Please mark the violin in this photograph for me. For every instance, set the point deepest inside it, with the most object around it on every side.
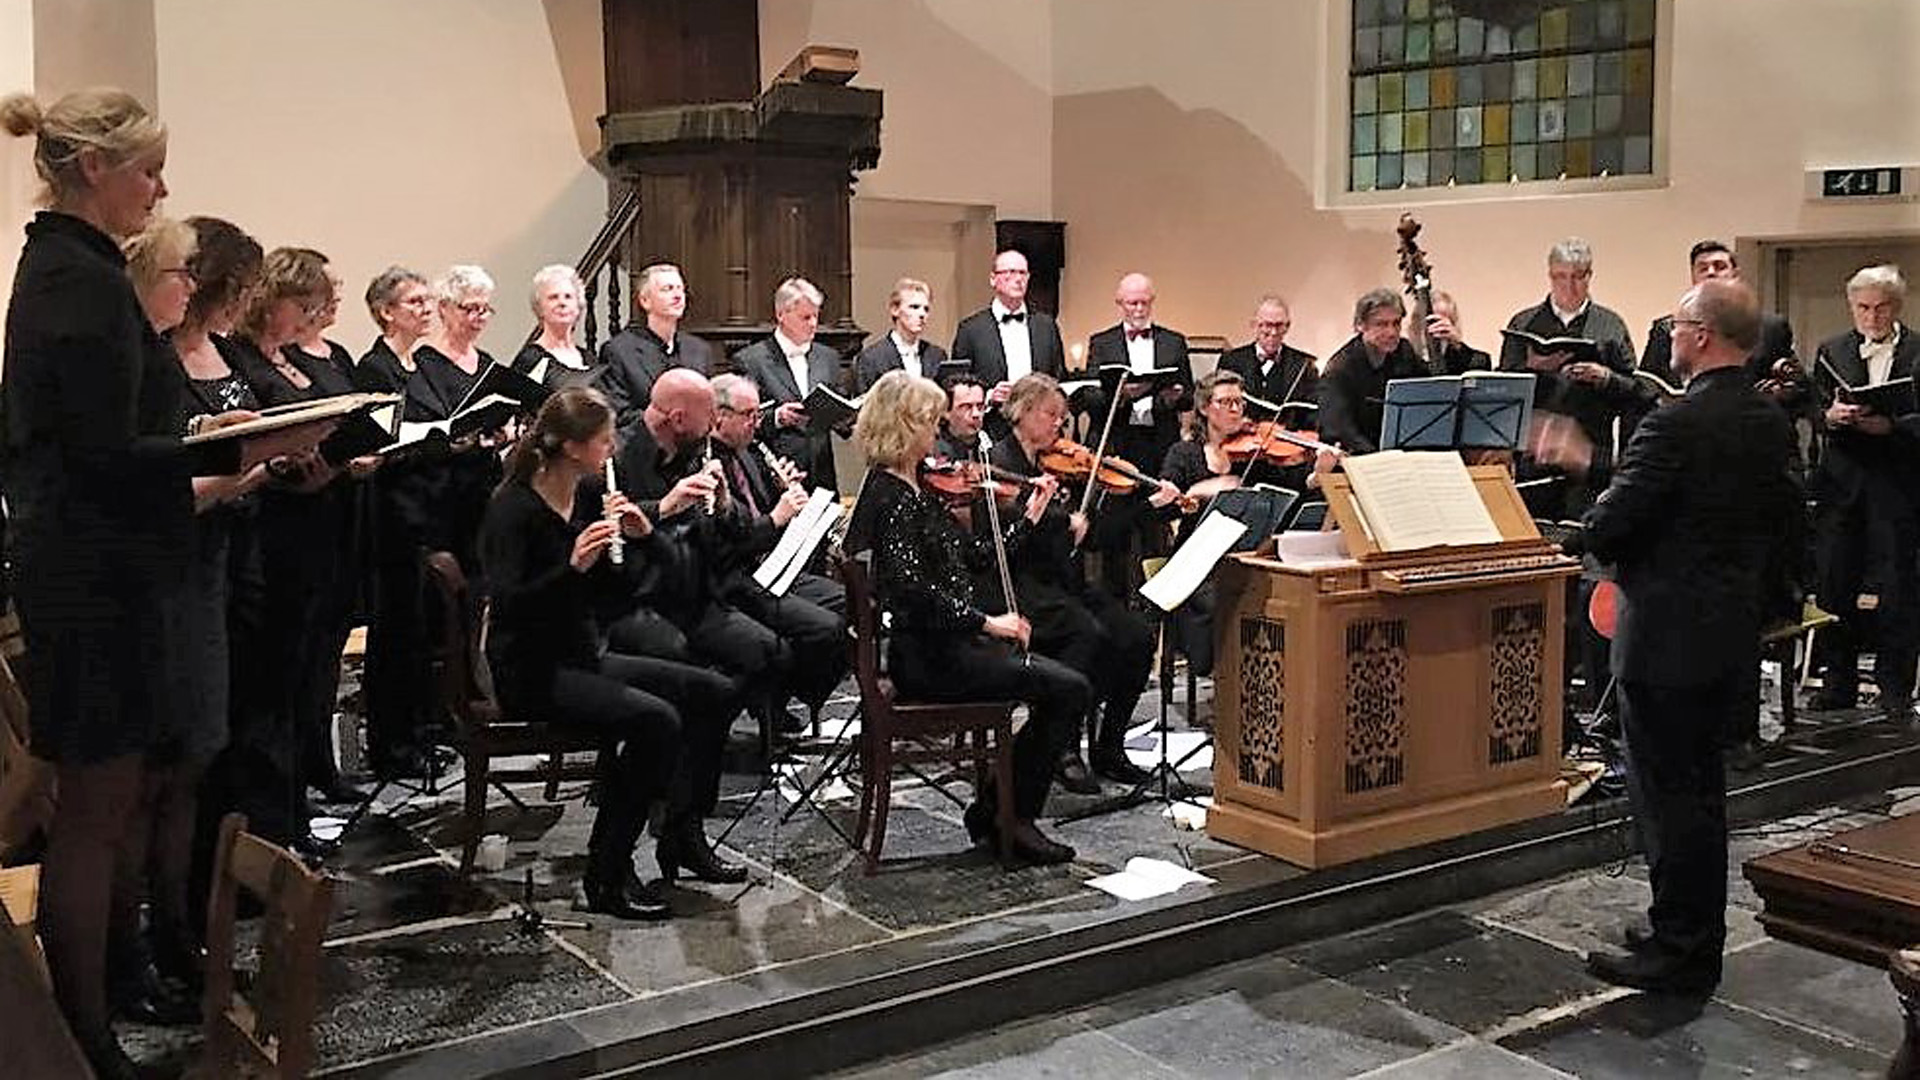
(1069, 460)
(1278, 445)
(960, 482)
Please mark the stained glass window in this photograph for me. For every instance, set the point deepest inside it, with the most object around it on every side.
(1488, 91)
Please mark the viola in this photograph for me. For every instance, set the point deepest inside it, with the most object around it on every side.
(1278, 445)
(963, 481)
(1071, 461)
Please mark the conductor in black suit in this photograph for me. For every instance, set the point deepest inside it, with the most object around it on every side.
(1867, 501)
(903, 347)
(1692, 524)
(633, 358)
(1269, 368)
(786, 367)
(1009, 339)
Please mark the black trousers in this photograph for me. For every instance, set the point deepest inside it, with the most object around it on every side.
(1098, 637)
(1676, 785)
(982, 669)
(631, 701)
(1867, 547)
(811, 620)
(729, 659)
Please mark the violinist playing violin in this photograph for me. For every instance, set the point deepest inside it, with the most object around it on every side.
(944, 646)
(966, 414)
(1223, 453)
(1080, 625)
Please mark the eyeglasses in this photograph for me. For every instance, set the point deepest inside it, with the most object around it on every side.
(1234, 403)
(1011, 273)
(476, 309)
(182, 272)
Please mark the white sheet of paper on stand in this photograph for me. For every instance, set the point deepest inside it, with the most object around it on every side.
(809, 543)
(1195, 559)
(1144, 879)
(788, 549)
(1311, 547)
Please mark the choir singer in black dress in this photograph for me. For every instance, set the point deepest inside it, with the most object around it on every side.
(548, 544)
(944, 646)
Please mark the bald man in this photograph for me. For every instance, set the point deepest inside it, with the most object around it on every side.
(1008, 339)
(1149, 421)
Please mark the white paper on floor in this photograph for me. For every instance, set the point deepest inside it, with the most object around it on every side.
(1144, 750)
(1189, 814)
(327, 829)
(1144, 879)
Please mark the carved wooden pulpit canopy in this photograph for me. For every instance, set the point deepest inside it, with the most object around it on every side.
(740, 186)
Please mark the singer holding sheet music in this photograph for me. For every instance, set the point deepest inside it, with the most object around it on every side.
(1867, 516)
(546, 544)
(786, 366)
(944, 645)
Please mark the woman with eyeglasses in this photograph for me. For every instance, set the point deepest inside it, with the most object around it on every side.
(451, 362)
(401, 303)
(559, 299)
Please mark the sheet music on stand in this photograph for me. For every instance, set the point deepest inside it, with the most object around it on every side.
(1193, 560)
(798, 542)
(1480, 410)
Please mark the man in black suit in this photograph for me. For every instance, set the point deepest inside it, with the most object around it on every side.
(787, 366)
(1711, 260)
(1149, 420)
(901, 348)
(1008, 339)
(1268, 367)
(966, 412)
(1692, 524)
(633, 358)
(1867, 500)
(1353, 389)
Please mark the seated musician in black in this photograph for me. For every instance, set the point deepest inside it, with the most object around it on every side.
(1353, 389)
(545, 543)
(1080, 625)
(1201, 467)
(944, 647)
(663, 466)
(811, 615)
(966, 413)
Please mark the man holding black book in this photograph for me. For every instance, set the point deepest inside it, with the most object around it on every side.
(787, 366)
(1867, 498)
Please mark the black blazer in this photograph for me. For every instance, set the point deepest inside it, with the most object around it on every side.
(1353, 393)
(1698, 521)
(1854, 465)
(766, 365)
(1109, 346)
(977, 338)
(1244, 361)
(881, 356)
(631, 359)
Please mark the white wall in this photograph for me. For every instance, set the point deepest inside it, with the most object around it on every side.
(18, 187)
(1225, 205)
(426, 133)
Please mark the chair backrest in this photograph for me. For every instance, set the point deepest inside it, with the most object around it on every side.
(863, 622)
(271, 1026)
(456, 620)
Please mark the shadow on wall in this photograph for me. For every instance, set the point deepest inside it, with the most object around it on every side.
(579, 52)
(1211, 212)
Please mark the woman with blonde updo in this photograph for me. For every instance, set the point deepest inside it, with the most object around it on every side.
(98, 490)
(944, 646)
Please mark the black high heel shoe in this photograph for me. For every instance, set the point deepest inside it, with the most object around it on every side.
(688, 848)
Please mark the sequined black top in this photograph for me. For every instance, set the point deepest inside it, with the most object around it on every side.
(923, 562)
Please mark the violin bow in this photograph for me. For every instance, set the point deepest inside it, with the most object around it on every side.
(999, 542)
(1100, 452)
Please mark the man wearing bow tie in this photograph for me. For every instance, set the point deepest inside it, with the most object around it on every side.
(1270, 368)
(1149, 420)
(786, 367)
(902, 348)
(1008, 339)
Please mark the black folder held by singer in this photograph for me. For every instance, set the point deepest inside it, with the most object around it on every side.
(1892, 399)
(218, 451)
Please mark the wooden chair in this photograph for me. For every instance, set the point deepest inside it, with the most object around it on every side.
(481, 731)
(1779, 645)
(270, 1026)
(956, 733)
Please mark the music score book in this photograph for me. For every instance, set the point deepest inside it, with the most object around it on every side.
(1578, 349)
(1893, 398)
(1193, 561)
(798, 542)
(1418, 499)
(828, 409)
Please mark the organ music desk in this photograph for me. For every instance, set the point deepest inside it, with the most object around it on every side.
(1394, 699)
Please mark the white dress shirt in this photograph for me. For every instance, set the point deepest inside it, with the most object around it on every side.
(796, 360)
(1139, 359)
(909, 354)
(1879, 356)
(1015, 340)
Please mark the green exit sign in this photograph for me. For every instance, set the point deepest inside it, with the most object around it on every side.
(1875, 183)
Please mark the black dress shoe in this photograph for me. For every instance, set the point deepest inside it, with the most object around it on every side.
(1114, 764)
(688, 849)
(982, 829)
(1072, 775)
(1831, 700)
(142, 996)
(610, 898)
(1646, 969)
(646, 898)
(1030, 846)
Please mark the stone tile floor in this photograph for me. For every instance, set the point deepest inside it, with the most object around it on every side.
(1489, 990)
(419, 957)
